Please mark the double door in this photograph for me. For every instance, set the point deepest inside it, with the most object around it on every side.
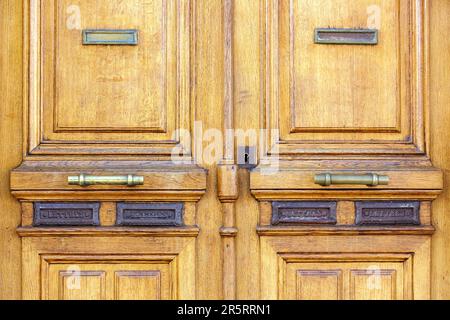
(181, 149)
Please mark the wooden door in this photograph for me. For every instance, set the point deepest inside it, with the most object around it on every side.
(346, 109)
(224, 149)
(108, 151)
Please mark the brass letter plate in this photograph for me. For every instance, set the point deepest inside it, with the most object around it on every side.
(346, 36)
(110, 37)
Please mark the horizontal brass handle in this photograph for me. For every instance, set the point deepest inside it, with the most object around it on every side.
(86, 180)
(369, 179)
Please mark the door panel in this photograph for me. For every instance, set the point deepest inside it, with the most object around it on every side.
(366, 73)
(126, 264)
(335, 98)
(314, 266)
(91, 286)
(315, 284)
(120, 113)
(378, 284)
(138, 285)
(109, 281)
(101, 95)
(339, 281)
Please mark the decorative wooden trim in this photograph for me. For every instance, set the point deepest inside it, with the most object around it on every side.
(150, 214)
(177, 251)
(227, 184)
(302, 212)
(387, 213)
(163, 182)
(66, 214)
(350, 195)
(173, 195)
(228, 193)
(53, 175)
(277, 251)
(344, 230)
(228, 232)
(426, 179)
(228, 120)
(109, 232)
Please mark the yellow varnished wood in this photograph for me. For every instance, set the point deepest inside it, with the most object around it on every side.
(229, 64)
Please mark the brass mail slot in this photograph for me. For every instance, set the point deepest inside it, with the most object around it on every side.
(346, 36)
(110, 37)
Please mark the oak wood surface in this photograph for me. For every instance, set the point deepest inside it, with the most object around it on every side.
(10, 136)
(440, 149)
(395, 123)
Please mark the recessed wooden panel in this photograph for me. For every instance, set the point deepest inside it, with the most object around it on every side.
(109, 279)
(82, 285)
(102, 96)
(137, 264)
(374, 284)
(143, 281)
(343, 280)
(304, 263)
(356, 98)
(138, 285)
(319, 285)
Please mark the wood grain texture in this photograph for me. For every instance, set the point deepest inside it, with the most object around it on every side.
(169, 257)
(130, 101)
(10, 143)
(329, 101)
(284, 256)
(210, 86)
(370, 120)
(247, 100)
(440, 135)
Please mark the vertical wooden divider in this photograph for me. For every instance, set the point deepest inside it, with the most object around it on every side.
(228, 191)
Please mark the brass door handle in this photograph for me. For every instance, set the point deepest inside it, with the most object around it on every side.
(87, 180)
(369, 179)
